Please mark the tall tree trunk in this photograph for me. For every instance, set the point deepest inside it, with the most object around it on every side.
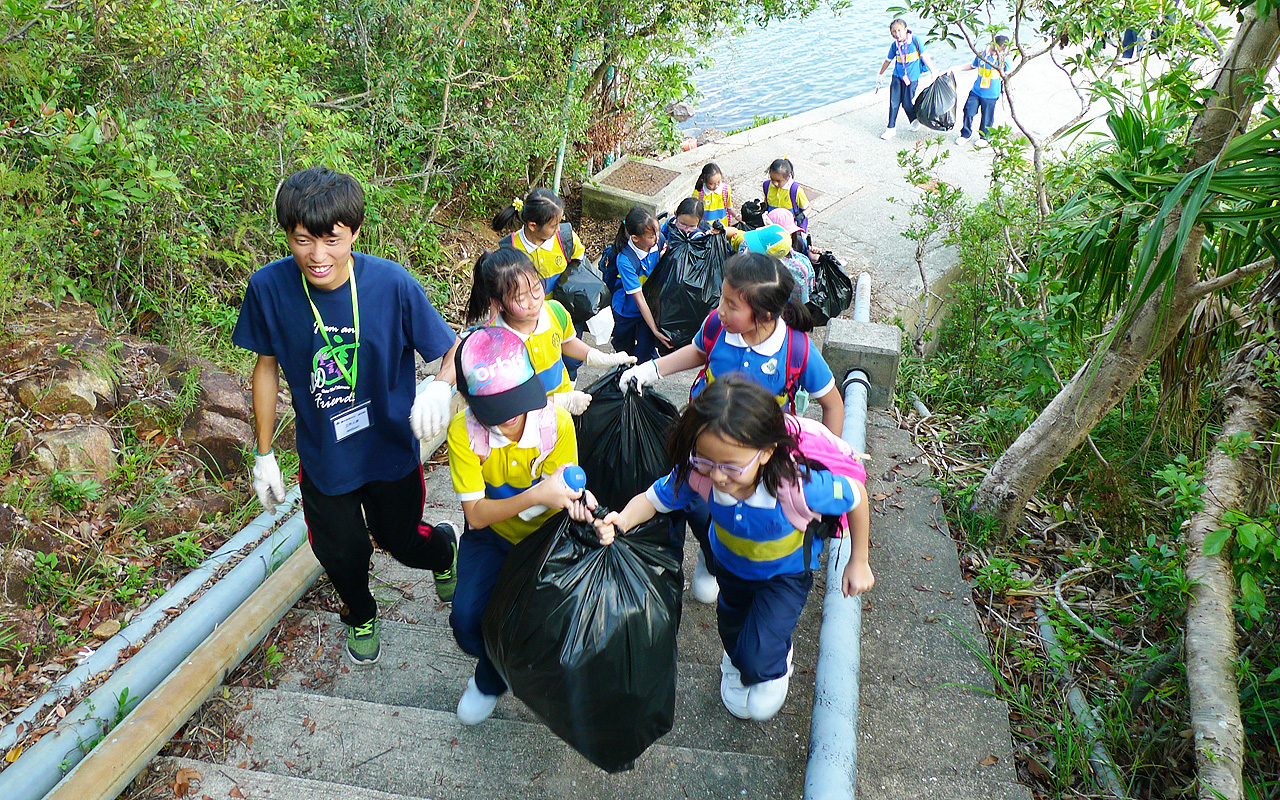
(1253, 406)
(1104, 379)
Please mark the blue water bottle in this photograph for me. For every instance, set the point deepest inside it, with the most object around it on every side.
(573, 477)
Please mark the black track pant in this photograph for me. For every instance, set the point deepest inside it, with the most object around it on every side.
(339, 527)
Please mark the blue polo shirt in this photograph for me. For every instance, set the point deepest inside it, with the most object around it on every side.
(634, 268)
(988, 83)
(907, 58)
(753, 538)
(764, 363)
(396, 318)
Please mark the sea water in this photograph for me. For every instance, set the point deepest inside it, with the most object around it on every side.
(794, 65)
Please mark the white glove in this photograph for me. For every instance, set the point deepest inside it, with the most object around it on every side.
(599, 358)
(879, 81)
(267, 481)
(640, 376)
(431, 410)
(573, 402)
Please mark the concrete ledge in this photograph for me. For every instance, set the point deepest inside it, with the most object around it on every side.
(871, 347)
(602, 201)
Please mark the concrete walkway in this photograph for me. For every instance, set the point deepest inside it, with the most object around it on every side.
(861, 199)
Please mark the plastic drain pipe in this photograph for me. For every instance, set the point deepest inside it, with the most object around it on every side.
(106, 656)
(832, 771)
(564, 114)
(43, 764)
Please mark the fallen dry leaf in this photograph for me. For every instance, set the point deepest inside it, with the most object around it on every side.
(989, 761)
(13, 754)
(235, 792)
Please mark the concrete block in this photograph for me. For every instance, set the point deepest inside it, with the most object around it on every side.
(601, 200)
(870, 347)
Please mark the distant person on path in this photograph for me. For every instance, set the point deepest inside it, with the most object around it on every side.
(546, 238)
(344, 327)
(991, 65)
(906, 54)
(782, 191)
(507, 292)
(717, 199)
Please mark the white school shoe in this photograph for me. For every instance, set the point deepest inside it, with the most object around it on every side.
(889, 133)
(732, 693)
(914, 126)
(705, 587)
(765, 699)
(963, 140)
(475, 706)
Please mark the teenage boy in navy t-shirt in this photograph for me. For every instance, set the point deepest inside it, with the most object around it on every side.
(343, 326)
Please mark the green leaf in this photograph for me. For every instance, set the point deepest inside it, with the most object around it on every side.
(1214, 542)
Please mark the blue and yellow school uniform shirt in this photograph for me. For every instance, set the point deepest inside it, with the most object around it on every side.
(634, 268)
(511, 467)
(555, 327)
(780, 197)
(764, 363)
(753, 538)
(988, 83)
(548, 257)
(716, 205)
(907, 59)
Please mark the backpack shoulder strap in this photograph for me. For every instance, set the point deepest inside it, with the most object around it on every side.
(797, 360)
(479, 437)
(765, 189)
(795, 194)
(564, 237)
(558, 311)
(724, 194)
(711, 331)
(546, 433)
(700, 483)
(508, 242)
(794, 505)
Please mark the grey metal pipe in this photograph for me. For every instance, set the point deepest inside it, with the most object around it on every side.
(1100, 761)
(832, 770)
(106, 656)
(43, 764)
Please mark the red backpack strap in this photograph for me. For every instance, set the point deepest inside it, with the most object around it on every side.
(711, 330)
(724, 195)
(796, 362)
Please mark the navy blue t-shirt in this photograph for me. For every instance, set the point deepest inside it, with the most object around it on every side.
(396, 318)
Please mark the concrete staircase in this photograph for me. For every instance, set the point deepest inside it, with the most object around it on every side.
(388, 732)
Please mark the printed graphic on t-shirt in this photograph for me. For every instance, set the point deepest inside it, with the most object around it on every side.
(329, 387)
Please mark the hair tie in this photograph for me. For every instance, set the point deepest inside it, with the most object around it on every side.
(517, 204)
(786, 156)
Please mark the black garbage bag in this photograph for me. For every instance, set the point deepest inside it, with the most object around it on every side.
(622, 440)
(832, 290)
(685, 285)
(586, 635)
(581, 290)
(753, 212)
(936, 104)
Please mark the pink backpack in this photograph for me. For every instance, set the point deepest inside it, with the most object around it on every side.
(824, 447)
(479, 435)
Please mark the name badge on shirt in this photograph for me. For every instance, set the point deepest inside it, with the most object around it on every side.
(351, 421)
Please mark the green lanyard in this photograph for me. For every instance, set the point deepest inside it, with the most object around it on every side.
(355, 320)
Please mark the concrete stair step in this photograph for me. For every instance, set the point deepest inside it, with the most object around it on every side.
(876, 785)
(421, 752)
(217, 781)
(422, 667)
(921, 656)
(946, 732)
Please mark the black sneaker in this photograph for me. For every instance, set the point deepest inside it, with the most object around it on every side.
(447, 579)
(364, 644)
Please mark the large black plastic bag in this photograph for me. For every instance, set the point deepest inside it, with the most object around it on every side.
(586, 635)
(622, 440)
(685, 285)
(936, 104)
(832, 290)
(581, 290)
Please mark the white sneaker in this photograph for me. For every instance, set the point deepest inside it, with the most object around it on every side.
(705, 587)
(889, 133)
(914, 126)
(732, 693)
(765, 699)
(475, 706)
(962, 140)
(979, 143)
